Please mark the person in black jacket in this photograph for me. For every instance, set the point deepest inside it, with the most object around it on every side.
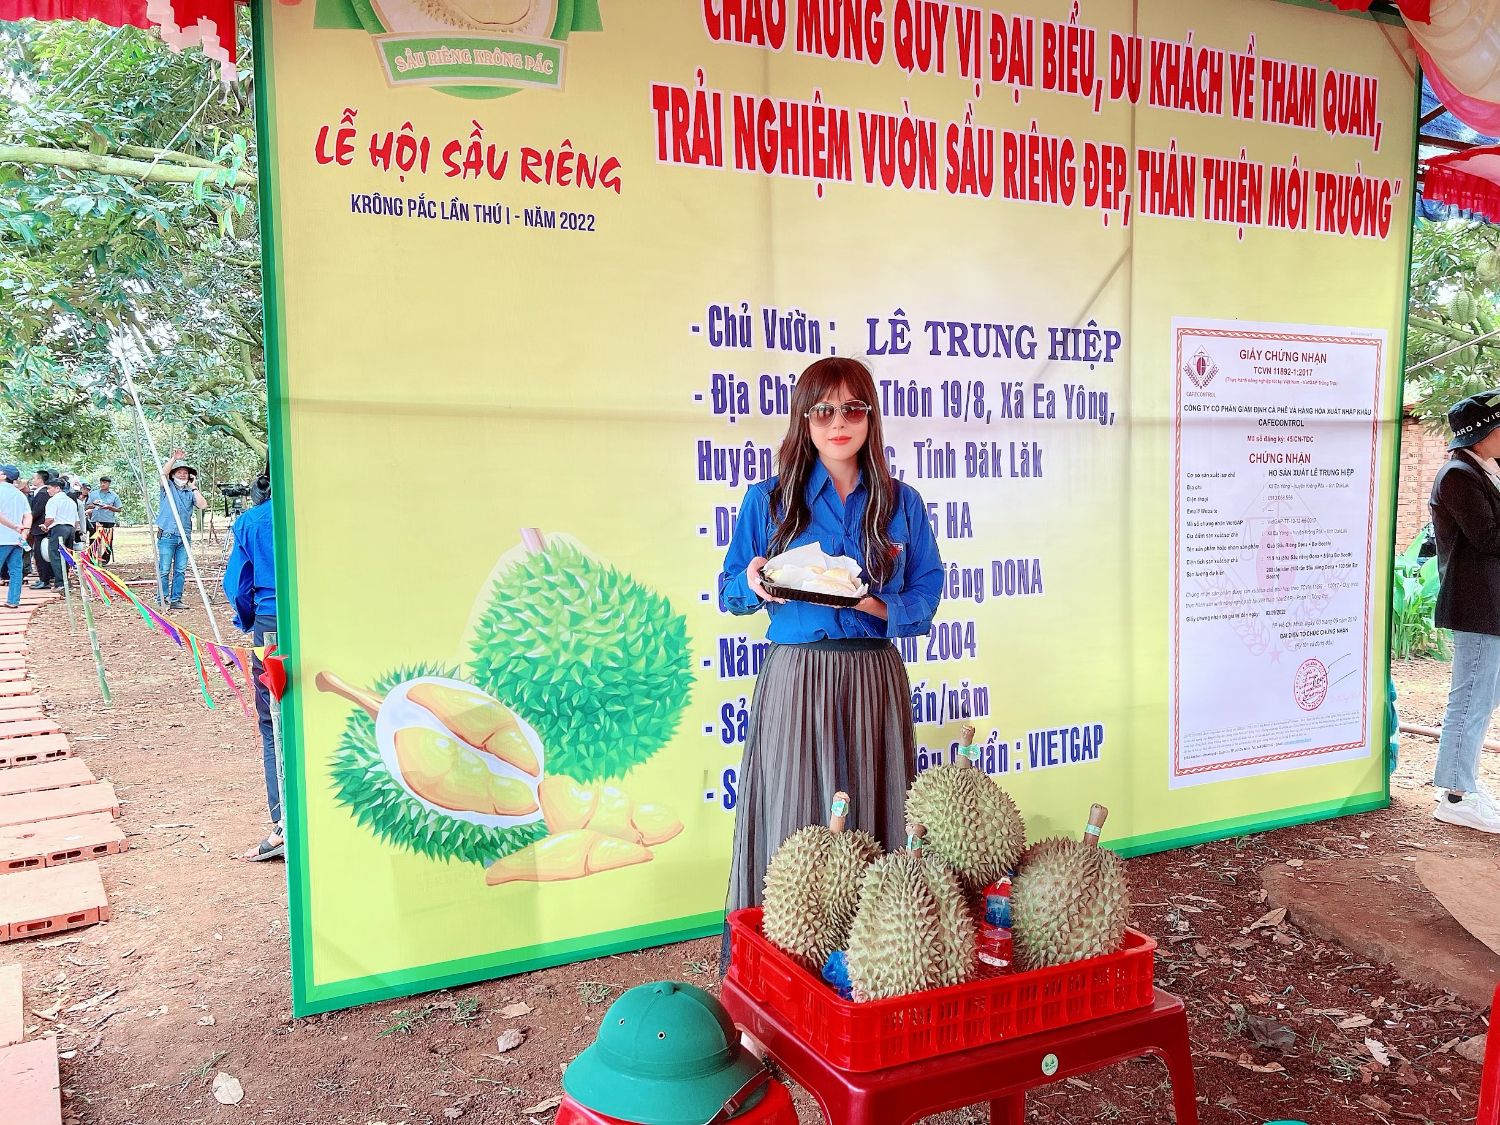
(1465, 505)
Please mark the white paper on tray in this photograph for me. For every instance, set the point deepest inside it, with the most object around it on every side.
(795, 569)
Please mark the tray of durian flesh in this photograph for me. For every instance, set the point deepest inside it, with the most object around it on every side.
(806, 574)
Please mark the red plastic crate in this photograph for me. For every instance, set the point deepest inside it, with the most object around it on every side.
(882, 1033)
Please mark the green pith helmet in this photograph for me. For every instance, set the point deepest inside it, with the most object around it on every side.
(666, 1054)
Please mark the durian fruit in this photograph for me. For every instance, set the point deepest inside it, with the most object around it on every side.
(913, 930)
(1069, 900)
(506, 17)
(1487, 268)
(364, 782)
(812, 886)
(568, 855)
(972, 824)
(598, 663)
(1462, 307)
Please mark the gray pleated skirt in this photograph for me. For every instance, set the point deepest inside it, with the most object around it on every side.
(822, 719)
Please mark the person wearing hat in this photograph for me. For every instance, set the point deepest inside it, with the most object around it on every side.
(103, 512)
(15, 527)
(174, 525)
(1465, 506)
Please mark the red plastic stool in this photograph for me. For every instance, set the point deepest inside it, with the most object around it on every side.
(1489, 1080)
(999, 1074)
(774, 1108)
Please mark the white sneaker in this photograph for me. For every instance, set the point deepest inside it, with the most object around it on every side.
(1476, 810)
(1439, 793)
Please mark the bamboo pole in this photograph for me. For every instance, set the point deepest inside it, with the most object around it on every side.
(88, 617)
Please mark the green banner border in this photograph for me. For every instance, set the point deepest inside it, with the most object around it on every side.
(310, 999)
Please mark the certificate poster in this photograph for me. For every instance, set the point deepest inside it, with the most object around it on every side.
(1275, 442)
(541, 278)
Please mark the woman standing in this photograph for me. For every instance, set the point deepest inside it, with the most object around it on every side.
(832, 707)
(1465, 505)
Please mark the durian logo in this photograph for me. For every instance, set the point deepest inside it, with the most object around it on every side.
(573, 673)
(475, 48)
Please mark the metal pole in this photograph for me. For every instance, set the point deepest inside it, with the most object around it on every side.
(166, 484)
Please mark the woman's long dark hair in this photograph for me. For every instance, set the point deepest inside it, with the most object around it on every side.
(795, 459)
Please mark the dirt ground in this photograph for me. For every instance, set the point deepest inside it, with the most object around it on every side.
(190, 977)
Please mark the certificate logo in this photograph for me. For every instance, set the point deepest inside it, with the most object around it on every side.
(1310, 685)
(1201, 369)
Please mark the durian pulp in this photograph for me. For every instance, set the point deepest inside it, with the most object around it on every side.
(447, 773)
(484, 723)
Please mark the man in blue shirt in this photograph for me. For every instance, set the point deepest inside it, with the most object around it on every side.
(250, 586)
(15, 526)
(173, 533)
(103, 512)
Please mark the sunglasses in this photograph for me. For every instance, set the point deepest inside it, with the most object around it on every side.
(852, 411)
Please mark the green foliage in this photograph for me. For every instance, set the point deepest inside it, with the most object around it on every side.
(1455, 272)
(1414, 598)
(378, 801)
(95, 262)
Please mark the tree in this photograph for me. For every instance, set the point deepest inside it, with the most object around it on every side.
(1454, 272)
(127, 222)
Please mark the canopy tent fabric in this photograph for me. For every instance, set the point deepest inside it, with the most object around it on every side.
(1468, 180)
(208, 24)
(1419, 10)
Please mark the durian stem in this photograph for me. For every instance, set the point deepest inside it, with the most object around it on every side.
(838, 812)
(916, 836)
(1095, 825)
(965, 741)
(533, 540)
(327, 681)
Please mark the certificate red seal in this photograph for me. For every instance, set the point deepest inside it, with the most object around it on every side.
(1310, 685)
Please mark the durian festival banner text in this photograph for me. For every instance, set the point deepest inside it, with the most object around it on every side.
(1131, 282)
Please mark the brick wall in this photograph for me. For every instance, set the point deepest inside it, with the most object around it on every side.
(1422, 451)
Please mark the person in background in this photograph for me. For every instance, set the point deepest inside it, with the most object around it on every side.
(1465, 506)
(39, 565)
(15, 526)
(62, 527)
(179, 487)
(103, 514)
(250, 586)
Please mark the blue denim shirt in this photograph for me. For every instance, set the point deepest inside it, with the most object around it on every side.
(183, 499)
(911, 594)
(250, 574)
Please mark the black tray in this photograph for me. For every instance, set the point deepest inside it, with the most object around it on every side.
(839, 601)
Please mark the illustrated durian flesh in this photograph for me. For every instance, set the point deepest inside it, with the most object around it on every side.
(913, 930)
(1069, 901)
(972, 824)
(812, 889)
(604, 808)
(484, 723)
(512, 17)
(443, 770)
(567, 855)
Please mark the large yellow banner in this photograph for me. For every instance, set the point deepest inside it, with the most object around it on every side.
(1130, 279)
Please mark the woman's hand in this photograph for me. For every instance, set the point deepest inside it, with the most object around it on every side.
(873, 606)
(756, 582)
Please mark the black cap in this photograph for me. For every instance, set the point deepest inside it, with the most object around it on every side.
(1472, 418)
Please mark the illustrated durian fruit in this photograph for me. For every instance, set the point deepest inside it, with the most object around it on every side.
(972, 824)
(812, 885)
(597, 662)
(396, 803)
(913, 930)
(607, 809)
(567, 855)
(1069, 900)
